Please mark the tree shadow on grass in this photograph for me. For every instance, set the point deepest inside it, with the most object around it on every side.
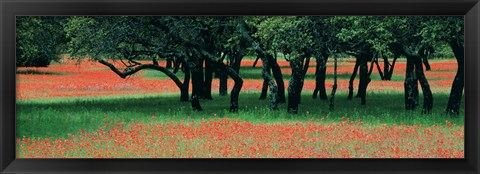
(38, 72)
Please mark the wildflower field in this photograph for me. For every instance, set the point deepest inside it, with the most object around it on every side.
(84, 110)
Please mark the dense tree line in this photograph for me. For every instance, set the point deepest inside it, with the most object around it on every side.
(203, 48)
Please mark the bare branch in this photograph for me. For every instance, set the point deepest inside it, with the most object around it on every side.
(141, 67)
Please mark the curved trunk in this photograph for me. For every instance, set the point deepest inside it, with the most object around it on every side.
(266, 79)
(455, 99)
(269, 81)
(352, 78)
(277, 74)
(237, 61)
(379, 69)
(236, 87)
(125, 74)
(302, 79)
(390, 72)
(427, 93)
(425, 62)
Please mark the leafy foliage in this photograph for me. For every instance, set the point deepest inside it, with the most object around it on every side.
(39, 40)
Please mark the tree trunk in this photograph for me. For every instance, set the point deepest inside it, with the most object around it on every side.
(277, 74)
(364, 78)
(255, 62)
(223, 76)
(169, 63)
(237, 61)
(334, 87)
(455, 99)
(266, 80)
(201, 78)
(379, 70)
(320, 74)
(410, 85)
(352, 78)
(425, 62)
(386, 67)
(207, 87)
(236, 87)
(389, 75)
(186, 83)
(302, 79)
(294, 84)
(427, 93)
(197, 86)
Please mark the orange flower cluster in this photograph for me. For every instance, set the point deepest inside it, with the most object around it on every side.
(86, 79)
(232, 138)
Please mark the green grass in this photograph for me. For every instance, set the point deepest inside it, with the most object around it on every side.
(59, 117)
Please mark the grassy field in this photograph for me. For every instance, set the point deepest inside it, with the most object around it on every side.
(79, 111)
(62, 116)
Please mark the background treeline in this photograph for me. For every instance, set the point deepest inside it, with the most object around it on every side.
(201, 47)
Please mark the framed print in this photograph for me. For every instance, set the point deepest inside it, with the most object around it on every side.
(229, 86)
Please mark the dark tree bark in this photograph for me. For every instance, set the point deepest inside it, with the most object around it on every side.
(125, 74)
(320, 74)
(425, 62)
(277, 74)
(352, 78)
(223, 77)
(334, 88)
(255, 62)
(236, 87)
(411, 101)
(372, 63)
(197, 85)
(388, 76)
(302, 79)
(379, 70)
(207, 87)
(223, 84)
(270, 82)
(186, 83)
(364, 78)
(169, 63)
(427, 93)
(455, 99)
(154, 60)
(294, 84)
(200, 78)
(236, 60)
(266, 80)
(386, 67)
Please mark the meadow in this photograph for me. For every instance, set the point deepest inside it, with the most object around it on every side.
(86, 111)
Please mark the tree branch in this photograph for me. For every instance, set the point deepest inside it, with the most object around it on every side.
(141, 67)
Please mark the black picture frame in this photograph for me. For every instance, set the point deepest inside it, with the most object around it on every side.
(11, 8)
